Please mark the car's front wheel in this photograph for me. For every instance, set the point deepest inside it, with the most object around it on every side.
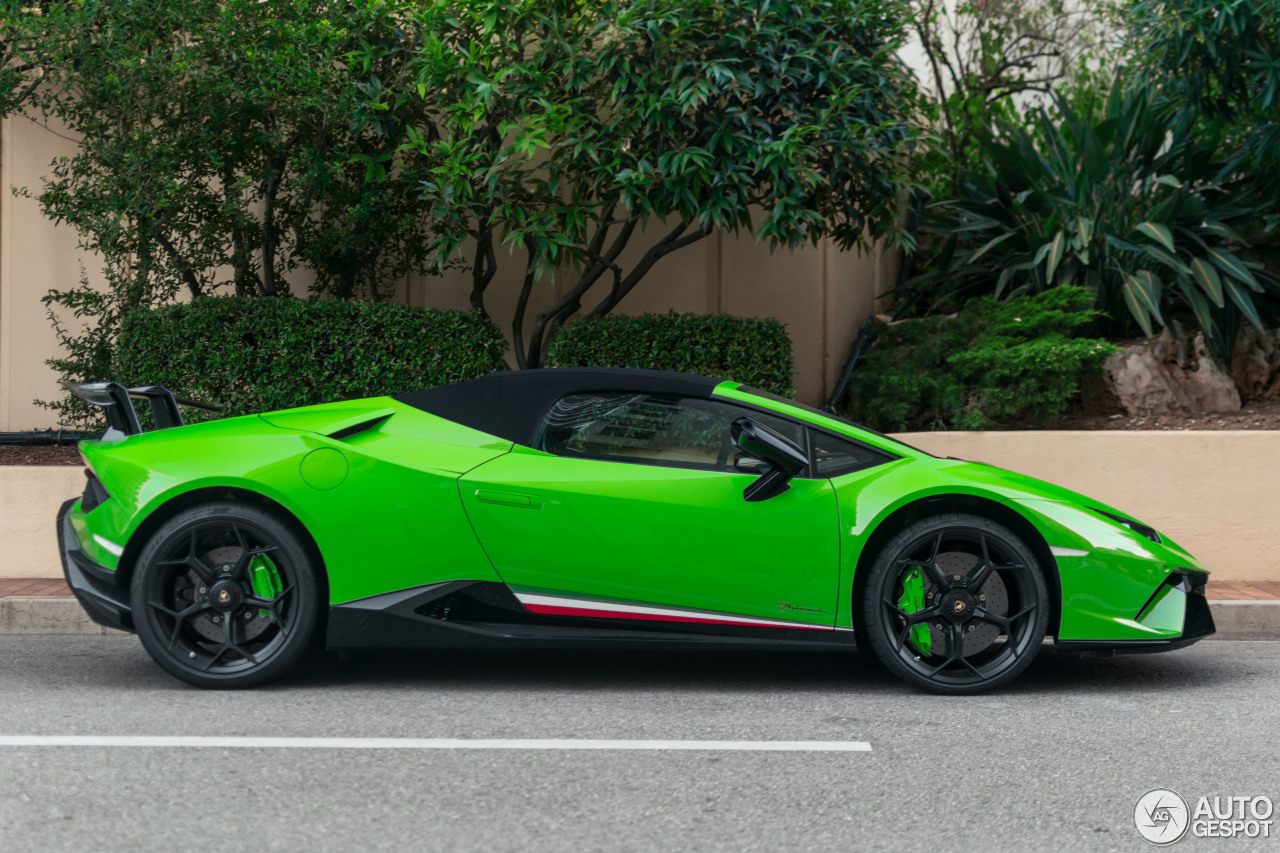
(956, 604)
(225, 595)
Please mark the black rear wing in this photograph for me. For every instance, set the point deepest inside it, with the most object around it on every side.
(116, 402)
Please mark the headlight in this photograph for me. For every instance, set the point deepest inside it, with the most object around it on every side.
(1136, 526)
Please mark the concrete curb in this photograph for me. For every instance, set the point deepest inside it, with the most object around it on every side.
(49, 616)
(35, 615)
(1246, 620)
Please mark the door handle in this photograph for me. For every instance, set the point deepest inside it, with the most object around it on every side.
(508, 499)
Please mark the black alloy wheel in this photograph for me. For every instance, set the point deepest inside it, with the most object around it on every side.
(225, 595)
(956, 604)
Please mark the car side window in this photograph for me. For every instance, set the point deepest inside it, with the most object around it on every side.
(834, 456)
(682, 432)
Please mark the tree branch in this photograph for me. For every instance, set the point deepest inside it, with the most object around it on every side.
(485, 265)
(526, 287)
(551, 317)
(270, 237)
(672, 242)
(184, 266)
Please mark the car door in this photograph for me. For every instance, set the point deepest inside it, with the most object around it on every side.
(633, 500)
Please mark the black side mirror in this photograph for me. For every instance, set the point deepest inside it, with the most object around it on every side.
(758, 441)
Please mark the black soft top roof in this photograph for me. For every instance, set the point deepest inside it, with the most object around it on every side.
(510, 404)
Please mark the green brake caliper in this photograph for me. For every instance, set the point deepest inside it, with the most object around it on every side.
(265, 579)
(912, 601)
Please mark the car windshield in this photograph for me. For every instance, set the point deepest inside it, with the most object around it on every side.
(768, 395)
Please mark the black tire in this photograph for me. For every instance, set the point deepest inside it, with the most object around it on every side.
(979, 611)
(200, 596)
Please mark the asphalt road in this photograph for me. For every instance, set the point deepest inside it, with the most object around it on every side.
(1055, 762)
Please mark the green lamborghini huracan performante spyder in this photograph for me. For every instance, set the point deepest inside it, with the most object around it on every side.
(600, 507)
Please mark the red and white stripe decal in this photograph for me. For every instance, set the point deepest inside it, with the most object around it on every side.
(556, 605)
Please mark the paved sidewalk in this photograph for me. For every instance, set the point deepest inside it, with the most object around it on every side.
(1242, 610)
(40, 587)
(1244, 590)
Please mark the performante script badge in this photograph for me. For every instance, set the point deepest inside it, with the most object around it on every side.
(1161, 816)
(782, 605)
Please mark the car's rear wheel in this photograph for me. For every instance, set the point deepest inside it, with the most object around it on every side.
(225, 595)
(956, 604)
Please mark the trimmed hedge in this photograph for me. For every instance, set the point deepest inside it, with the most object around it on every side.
(256, 355)
(752, 351)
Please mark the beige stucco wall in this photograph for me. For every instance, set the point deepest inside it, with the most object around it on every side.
(36, 256)
(1214, 493)
(823, 295)
(29, 501)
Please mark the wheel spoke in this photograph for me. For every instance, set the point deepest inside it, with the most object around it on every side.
(902, 638)
(192, 560)
(955, 649)
(1029, 609)
(241, 565)
(984, 615)
(939, 577)
(235, 636)
(978, 575)
(179, 617)
(272, 606)
(235, 529)
(914, 618)
(239, 571)
(972, 668)
(212, 660)
(199, 566)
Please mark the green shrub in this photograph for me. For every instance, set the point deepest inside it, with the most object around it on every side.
(255, 355)
(1128, 200)
(995, 362)
(753, 351)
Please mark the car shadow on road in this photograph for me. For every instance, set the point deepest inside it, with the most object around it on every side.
(726, 671)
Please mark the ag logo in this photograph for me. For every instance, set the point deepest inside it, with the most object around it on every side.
(1161, 816)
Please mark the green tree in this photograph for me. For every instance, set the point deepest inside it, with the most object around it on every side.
(221, 142)
(223, 148)
(1220, 62)
(990, 61)
(563, 128)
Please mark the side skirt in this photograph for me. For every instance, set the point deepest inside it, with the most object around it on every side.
(484, 614)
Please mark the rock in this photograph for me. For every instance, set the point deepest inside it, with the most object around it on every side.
(1211, 388)
(1254, 359)
(1165, 376)
(1144, 387)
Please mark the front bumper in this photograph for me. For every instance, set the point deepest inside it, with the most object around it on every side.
(97, 588)
(1197, 620)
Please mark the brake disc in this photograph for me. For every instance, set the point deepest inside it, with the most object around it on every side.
(215, 632)
(996, 601)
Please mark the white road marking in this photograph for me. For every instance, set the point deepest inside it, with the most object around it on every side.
(433, 743)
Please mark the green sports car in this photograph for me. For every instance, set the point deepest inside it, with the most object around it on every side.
(597, 506)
